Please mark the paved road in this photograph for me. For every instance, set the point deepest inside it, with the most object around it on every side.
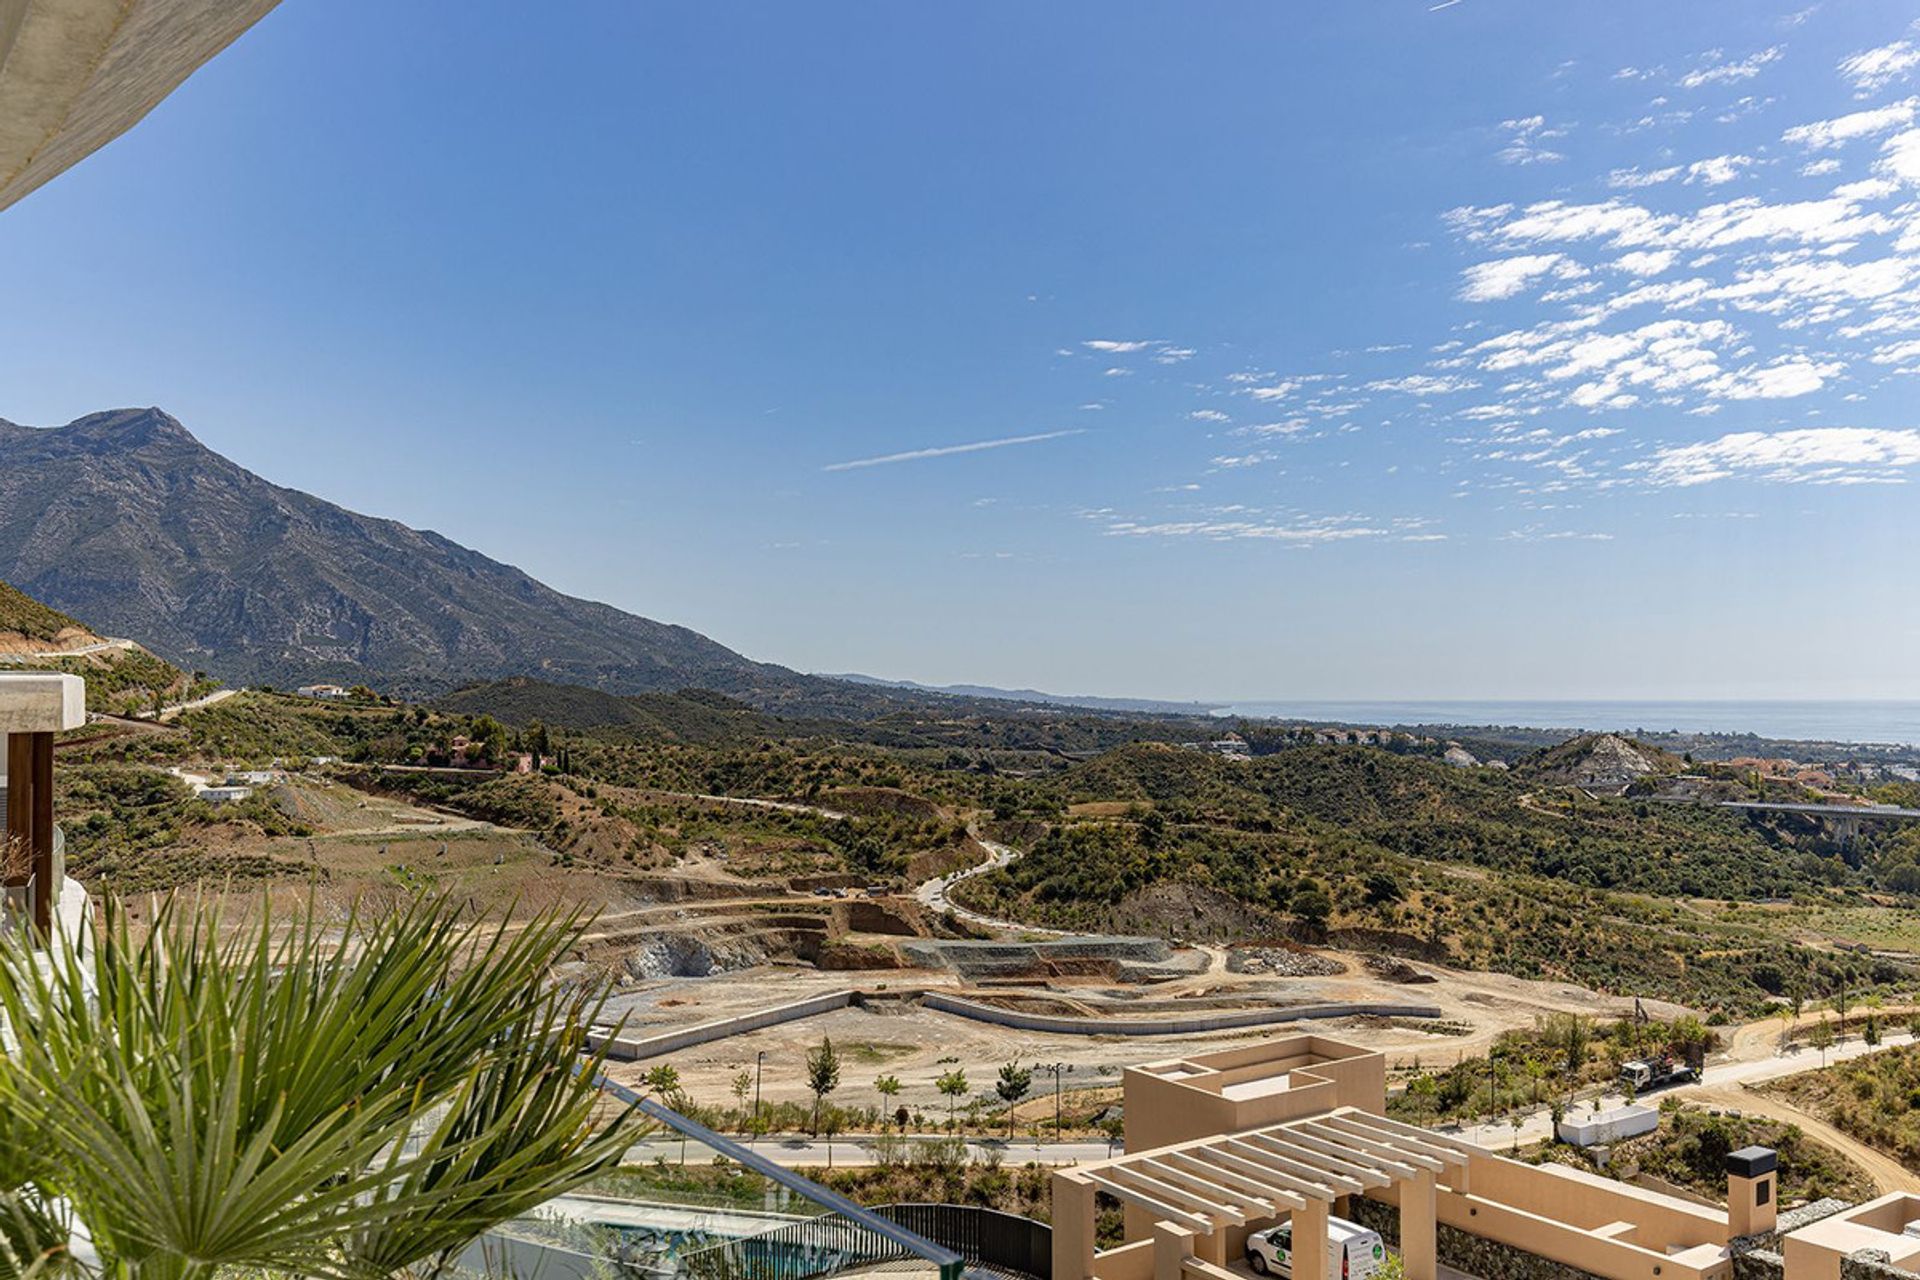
(799, 1151)
(218, 695)
(1755, 1057)
(85, 649)
(934, 893)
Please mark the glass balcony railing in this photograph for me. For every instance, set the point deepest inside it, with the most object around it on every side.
(705, 1208)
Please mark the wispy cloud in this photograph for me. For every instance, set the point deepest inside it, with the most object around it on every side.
(1714, 68)
(1819, 455)
(1527, 137)
(1874, 69)
(1117, 347)
(949, 450)
(1857, 124)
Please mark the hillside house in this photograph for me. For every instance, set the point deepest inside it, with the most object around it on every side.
(330, 692)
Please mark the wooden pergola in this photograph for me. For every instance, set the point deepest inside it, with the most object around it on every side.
(1196, 1192)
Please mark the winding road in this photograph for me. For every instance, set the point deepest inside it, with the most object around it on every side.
(935, 894)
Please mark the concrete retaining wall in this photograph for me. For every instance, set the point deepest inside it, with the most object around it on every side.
(1194, 1025)
(635, 1048)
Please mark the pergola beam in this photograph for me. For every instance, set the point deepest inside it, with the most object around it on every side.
(1368, 1166)
(1362, 1123)
(1181, 1197)
(1314, 1181)
(1199, 1172)
(1375, 1144)
(1258, 1165)
(1120, 1191)
(1400, 1128)
(1313, 1164)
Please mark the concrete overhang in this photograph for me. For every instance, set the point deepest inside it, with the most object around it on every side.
(76, 74)
(41, 702)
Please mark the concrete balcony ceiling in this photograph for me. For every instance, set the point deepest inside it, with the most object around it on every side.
(76, 74)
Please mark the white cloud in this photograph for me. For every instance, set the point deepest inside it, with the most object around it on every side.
(1907, 352)
(1819, 168)
(1505, 277)
(1900, 157)
(1636, 178)
(1526, 141)
(948, 450)
(1115, 347)
(1423, 384)
(1208, 415)
(1288, 427)
(1782, 380)
(1717, 169)
(1299, 531)
(1714, 69)
(1173, 355)
(1860, 124)
(1645, 262)
(1874, 69)
(1821, 455)
(1275, 391)
(1711, 172)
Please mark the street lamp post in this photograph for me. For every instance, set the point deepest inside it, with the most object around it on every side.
(758, 1059)
(1057, 1069)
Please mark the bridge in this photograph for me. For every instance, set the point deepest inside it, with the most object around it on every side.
(1845, 819)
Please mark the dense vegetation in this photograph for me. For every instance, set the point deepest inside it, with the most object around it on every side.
(1690, 1148)
(1875, 1098)
(21, 614)
(1551, 1064)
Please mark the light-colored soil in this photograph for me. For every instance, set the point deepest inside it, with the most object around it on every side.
(1488, 1003)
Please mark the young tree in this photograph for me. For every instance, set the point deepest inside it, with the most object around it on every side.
(742, 1086)
(294, 1097)
(663, 1082)
(1821, 1038)
(1015, 1080)
(823, 1076)
(953, 1086)
(888, 1087)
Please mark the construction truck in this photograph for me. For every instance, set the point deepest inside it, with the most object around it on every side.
(1643, 1074)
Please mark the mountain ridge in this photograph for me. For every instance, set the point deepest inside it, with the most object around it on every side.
(125, 518)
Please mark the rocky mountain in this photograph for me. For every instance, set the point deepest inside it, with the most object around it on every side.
(123, 518)
(1604, 761)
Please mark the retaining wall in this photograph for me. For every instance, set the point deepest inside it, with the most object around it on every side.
(635, 1048)
(1194, 1025)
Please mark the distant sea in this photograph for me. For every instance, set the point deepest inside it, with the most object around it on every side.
(1888, 722)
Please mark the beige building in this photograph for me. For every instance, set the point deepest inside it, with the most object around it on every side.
(1225, 1144)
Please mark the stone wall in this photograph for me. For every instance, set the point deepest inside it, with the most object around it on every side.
(1475, 1255)
(1871, 1264)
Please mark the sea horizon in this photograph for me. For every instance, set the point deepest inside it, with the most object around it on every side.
(1891, 722)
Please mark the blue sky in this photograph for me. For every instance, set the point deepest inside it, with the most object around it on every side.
(1492, 348)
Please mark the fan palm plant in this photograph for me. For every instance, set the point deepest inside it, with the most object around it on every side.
(352, 1101)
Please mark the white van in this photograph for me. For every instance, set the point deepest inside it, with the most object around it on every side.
(1353, 1252)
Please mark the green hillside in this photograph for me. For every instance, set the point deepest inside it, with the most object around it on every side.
(22, 615)
(691, 715)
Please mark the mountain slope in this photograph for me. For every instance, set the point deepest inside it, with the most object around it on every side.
(124, 518)
(26, 624)
(122, 678)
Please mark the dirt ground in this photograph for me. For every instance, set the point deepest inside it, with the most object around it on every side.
(918, 1044)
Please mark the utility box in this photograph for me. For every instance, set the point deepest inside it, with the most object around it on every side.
(1606, 1127)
